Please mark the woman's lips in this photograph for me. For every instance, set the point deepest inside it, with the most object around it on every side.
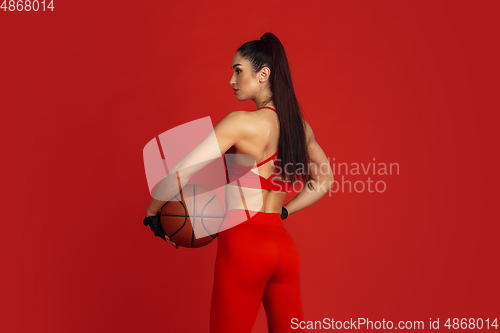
(235, 90)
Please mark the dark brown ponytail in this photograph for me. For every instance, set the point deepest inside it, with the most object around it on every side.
(292, 157)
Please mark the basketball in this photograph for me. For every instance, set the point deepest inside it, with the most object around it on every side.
(193, 217)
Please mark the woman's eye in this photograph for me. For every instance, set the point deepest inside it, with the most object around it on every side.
(238, 71)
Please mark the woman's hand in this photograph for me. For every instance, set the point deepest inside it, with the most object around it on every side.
(155, 225)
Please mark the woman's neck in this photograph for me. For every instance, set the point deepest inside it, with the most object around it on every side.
(263, 104)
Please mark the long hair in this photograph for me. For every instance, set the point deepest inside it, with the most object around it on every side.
(292, 150)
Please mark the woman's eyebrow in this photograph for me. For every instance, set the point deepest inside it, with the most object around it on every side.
(236, 65)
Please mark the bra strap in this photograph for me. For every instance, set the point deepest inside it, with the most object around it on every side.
(267, 160)
(268, 107)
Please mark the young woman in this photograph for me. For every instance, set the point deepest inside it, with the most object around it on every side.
(258, 260)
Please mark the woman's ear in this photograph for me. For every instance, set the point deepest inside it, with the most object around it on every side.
(264, 74)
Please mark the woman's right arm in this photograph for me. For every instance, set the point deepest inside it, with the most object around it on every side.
(224, 135)
(321, 176)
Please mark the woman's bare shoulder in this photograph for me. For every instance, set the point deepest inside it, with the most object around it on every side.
(246, 121)
(239, 121)
(237, 118)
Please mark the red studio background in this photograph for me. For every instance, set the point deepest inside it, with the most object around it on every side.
(86, 86)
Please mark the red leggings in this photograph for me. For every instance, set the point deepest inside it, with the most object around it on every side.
(257, 261)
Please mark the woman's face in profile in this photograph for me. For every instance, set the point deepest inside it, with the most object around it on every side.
(244, 81)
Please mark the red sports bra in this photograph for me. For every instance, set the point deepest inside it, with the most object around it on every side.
(246, 178)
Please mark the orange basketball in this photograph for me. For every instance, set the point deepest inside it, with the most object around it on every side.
(193, 217)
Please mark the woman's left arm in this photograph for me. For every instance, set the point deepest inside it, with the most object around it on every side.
(224, 135)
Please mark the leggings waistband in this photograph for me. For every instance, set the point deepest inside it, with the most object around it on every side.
(235, 217)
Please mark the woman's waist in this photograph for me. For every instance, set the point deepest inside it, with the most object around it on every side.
(235, 217)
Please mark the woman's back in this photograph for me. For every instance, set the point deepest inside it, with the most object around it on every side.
(256, 149)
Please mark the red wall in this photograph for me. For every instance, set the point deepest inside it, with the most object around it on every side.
(85, 87)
